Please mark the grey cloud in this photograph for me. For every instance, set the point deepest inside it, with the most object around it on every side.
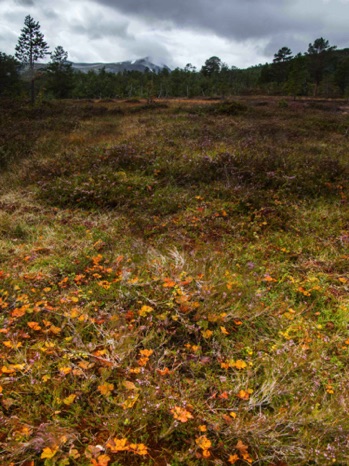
(98, 27)
(235, 19)
(25, 2)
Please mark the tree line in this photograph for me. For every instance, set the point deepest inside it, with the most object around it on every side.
(322, 70)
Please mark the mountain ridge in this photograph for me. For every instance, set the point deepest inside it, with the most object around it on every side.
(141, 64)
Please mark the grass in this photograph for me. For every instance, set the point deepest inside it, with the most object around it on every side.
(174, 283)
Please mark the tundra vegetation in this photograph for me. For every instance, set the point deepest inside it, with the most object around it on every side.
(174, 283)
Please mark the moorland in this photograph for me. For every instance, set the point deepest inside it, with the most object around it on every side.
(174, 282)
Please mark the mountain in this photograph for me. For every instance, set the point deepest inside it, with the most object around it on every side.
(141, 64)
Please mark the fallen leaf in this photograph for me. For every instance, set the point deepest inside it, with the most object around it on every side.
(181, 414)
(106, 388)
(48, 453)
(69, 400)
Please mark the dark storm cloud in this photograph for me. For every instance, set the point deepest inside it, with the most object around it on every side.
(24, 2)
(234, 19)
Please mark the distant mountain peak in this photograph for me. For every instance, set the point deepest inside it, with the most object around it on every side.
(140, 64)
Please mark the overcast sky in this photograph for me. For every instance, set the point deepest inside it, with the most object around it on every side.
(176, 32)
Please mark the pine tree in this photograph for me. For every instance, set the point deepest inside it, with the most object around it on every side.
(31, 47)
(59, 74)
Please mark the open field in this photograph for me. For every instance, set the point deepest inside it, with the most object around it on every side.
(174, 283)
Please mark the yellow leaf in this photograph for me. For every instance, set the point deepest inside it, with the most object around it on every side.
(48, 453)
(9, 344)
(239, 364)
(8, 369)
(106, 388)
(145, 310)
(232, 414)
(74, 313)
(203, 428)
(69, 400)
(224, 331)
(130, 402)
(65, 370)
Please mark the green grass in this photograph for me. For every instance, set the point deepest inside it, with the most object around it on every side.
(175, 278)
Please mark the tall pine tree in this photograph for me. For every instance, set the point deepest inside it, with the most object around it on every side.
(31, 47)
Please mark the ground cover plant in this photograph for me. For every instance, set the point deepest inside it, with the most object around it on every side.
(174, 283)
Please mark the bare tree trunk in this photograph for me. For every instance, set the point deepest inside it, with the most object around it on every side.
(32, 91)
(32, 80)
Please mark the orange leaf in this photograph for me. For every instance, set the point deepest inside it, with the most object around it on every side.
(164, 371)
(244, 394)
(146, 352)
(116, 445)
(268, 278)
(129, 385)
(203, 442)
(139, 449)
(181, 414)
(168, 283)
(239, 364)
(65, 370)
(233, 459)
(34, 326)
(207, 333)
(106, 388)
(102, 460)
